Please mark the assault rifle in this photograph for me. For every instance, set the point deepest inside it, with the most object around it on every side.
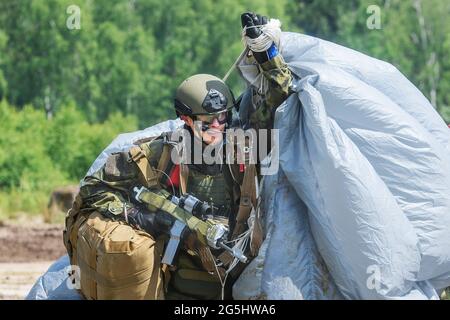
(190, 213)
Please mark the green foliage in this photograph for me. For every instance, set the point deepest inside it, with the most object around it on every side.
(73, 144)
(3, 83)
(37, 155)
(320, 18)
(128, 56)
(411, 38)
(23, 162)
(414, 36)
(120, 70)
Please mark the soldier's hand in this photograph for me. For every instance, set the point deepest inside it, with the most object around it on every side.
(252, 23)
(154, 223)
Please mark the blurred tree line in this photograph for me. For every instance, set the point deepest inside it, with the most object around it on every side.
(36, 154)
(66, 93)
(128, 56)
(414, 36)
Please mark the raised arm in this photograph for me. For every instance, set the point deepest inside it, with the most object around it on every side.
(273, 68)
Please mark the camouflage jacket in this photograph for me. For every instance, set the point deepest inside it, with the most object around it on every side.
(109, 190)
(261, 107)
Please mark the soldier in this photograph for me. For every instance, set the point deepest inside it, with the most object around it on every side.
(108, 218)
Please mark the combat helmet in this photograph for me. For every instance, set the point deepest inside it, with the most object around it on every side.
(203, 94)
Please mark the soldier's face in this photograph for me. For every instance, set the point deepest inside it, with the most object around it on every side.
(214, 132)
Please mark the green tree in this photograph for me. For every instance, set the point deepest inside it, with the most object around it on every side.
(320, 18)
(37, 154)
(128, 56)
(3, 83)
(413, 37)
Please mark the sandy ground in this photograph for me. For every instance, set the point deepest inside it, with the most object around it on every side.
(27, 248)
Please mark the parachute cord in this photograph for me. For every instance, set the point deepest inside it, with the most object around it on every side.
(271, 32)
(171, 182)
(222, 282)
(243, 53)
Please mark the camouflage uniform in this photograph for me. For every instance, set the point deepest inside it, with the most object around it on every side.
(109, 190)
(279, 76)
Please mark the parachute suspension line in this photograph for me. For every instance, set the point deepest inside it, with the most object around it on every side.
(222, 281)
(171, 182)
(241, 236)
(242, 241)
(243, 53)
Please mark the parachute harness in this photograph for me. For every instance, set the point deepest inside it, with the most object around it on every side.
(241, 241)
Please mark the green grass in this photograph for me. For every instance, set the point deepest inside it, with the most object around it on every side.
(15, 203)
(18, 203)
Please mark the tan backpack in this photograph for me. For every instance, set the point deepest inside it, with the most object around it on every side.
(115, 261)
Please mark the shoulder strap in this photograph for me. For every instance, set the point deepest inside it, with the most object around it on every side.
(149, 176)
(248, 199)
(163, 160)
(184, 175)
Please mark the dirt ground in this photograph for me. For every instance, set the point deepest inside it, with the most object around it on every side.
(27, 249)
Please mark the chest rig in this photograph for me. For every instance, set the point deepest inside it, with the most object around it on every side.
(211, 187)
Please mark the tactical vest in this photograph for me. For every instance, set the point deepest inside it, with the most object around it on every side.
(212, 189)
(85, 231)
(218, 189)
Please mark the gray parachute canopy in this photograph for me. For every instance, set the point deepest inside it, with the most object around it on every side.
(360, 208)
